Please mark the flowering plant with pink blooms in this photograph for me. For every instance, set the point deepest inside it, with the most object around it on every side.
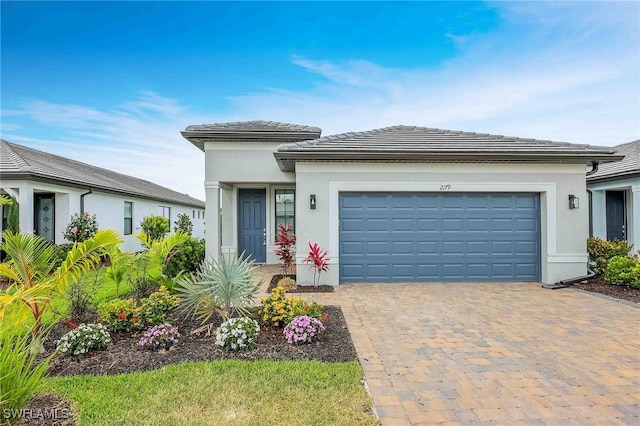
(81, 227)
(161, 336)
(303, 329)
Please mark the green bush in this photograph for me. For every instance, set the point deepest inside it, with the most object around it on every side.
(119, 314)
(155, 226)
(81, 227)
(82, 340)
(183, 224)
(600, 251)
(20, 373)
(623, 270)
(60, 252)
(155, 308)
(187, 258)
(289, 284)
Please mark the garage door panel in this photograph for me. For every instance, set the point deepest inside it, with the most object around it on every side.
(439, 237)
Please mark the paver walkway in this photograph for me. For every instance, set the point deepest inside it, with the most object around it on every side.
(508, 354)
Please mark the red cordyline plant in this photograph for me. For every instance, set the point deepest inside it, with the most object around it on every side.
(285, 239)
(319, 261)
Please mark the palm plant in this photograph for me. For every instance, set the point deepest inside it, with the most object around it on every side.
(35, 278)
(225, 287)
(120, 266)
(159, 251)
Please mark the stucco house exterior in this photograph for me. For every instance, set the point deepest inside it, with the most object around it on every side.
(49, 189)
(615, 197)
(400, 204)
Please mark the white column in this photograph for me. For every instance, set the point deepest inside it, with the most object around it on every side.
(26, 206)
(598, 212)
(212, 220)
(229, 246)
(634, 218)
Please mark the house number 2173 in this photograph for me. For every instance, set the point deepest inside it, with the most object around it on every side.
(445, 187)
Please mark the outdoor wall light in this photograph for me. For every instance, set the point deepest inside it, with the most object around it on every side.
(312, 201)
(574, 202)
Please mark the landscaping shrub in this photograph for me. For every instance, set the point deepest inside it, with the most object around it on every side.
(81, 227)
(82, 340)
(600, 251)
(225, 287)
(319, 261)
(154, 309)
(119, 314)
(303, 329)
(238, 334)
(20, 373)
(161, 336)
(289, 284)
(155, 226)
(187, 258)
(623, 270)
(278, 309)
(60, 252)
(285, 240)
(80, 301)
(183, 224)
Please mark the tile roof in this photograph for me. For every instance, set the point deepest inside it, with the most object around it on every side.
(21, 162)
(412, 143)
(629, 166)
(249, 131)
(255, 125)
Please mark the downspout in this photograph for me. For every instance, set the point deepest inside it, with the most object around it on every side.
(90, 191)
(590, 273)
(594, 168)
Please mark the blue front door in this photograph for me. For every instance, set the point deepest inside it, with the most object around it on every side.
(252, 223)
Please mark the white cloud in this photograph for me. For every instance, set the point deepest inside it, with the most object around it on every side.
(140, 138)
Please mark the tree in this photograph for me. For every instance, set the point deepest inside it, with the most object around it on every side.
(184, 224)
(155, 226)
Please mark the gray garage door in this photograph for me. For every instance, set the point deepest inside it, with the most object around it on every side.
(387, 237)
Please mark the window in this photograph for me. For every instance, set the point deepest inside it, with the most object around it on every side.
(193, 214)
(285, 208)
(165, 212)
(128, 218)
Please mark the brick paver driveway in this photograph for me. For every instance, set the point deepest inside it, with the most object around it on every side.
(494, 353)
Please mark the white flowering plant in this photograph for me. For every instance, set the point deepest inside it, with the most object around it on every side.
(303, 329)
(85, 338)
(238, 334)
(161, 336)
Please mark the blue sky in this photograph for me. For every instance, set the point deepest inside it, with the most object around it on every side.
(113, 83)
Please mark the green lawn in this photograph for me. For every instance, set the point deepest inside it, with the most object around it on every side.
(222, 392)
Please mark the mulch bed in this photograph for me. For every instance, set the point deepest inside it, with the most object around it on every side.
(300, 288)
(123, 354)
(599, 285)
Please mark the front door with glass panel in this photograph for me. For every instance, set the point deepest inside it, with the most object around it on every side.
(44, 216)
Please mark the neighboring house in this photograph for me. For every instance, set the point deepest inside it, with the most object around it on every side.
(402, 203)
(615, 197)
(50, 189)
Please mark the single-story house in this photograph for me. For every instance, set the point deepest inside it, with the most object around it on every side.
(49, 189)
(615, 197)
(401, 203)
